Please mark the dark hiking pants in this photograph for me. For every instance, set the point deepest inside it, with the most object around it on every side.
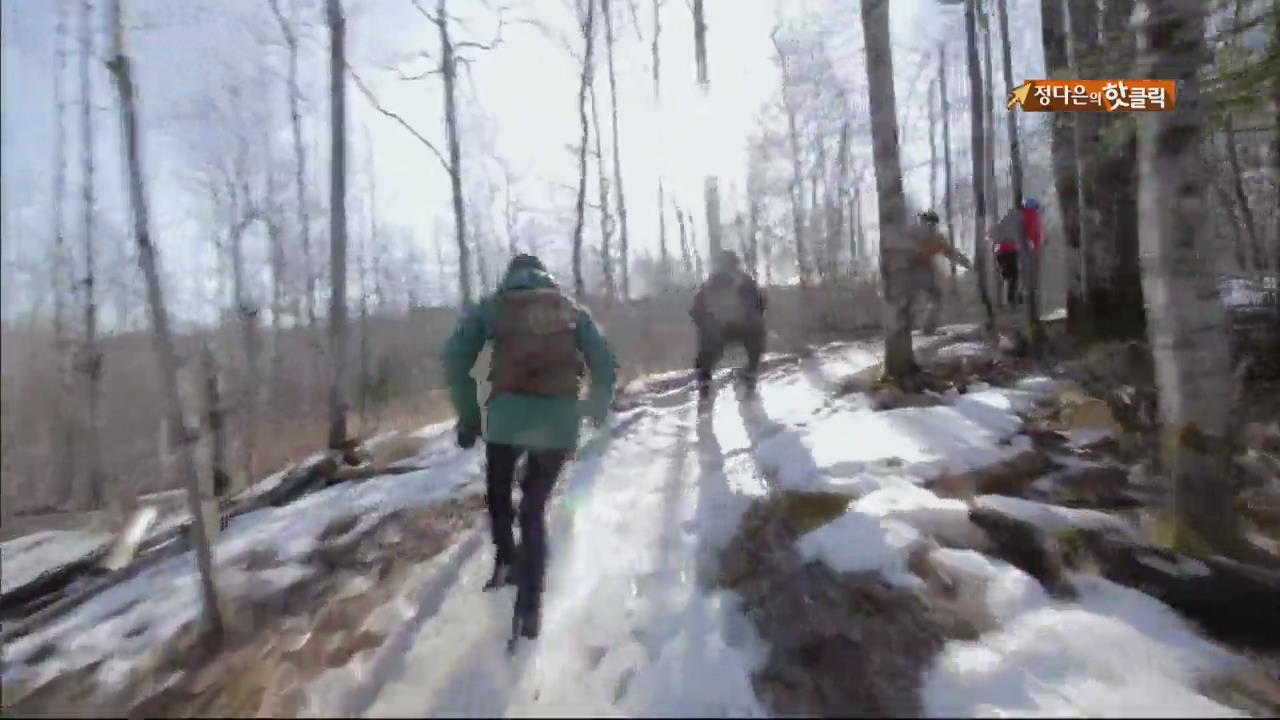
(529, 561)
(712, 340)
(1008, 264)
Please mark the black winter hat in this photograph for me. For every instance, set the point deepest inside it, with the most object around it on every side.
(525, 261)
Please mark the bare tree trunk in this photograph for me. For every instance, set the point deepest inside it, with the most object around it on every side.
(1082, 40)
(166, 361)
(588, 36)
(657, 58)
(945, 111)
(275, 240)
(91, 356)
(1242, 198)
(855, 234)
(710, 184)
(248, 315)
(1062, 146)
(978, 153)
(933, 148)
(822, 251)
(700, 43)
(1188, 328)
(895, 250)
(1116, 299)
(684, 246)
(753, 228)
(215, 424)
(448, 70)
(606, 219)
(992, 188)
(665, 263)
(836, 198)
(62, 282)
(338, 223)
(510, 215)
(797, 175)
(289, 34)
(367, 242)
(664, 257)
(623, 238)
(1030, 263)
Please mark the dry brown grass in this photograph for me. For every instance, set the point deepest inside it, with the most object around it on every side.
(649, 335)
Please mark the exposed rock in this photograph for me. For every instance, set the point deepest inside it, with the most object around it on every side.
(848, 645)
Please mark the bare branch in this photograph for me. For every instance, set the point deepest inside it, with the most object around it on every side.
(419, 76)
(417, 4)
(373, 100)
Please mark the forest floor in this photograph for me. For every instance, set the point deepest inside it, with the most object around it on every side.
(749, 559)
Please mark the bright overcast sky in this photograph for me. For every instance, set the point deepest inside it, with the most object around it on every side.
(526, 89)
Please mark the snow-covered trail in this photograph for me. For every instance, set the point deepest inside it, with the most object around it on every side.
(629, 624)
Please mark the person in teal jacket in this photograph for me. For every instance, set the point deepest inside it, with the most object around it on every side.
(540, 338)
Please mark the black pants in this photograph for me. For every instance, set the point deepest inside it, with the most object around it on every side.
(712, 340)
(1008, 264)
(529, 561)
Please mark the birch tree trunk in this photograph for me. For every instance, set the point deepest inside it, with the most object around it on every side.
(338, 225)
(247, 313)
(606, 219)
(288, 32)
(978, 152)
(989, 121)
(710, 185)
(1188, 329)
(837, 203)
(797, 173)
(588, 36)
(91, 355)
(166, 361)
(933, 148)
(945, 111)
(895, 250)
(624, 248)
(448, 71)
(1062, 148)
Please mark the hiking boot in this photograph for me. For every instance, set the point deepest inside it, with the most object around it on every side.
(530, 621)
(501, 576)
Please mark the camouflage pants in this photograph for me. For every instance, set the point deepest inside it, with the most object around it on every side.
(923, 279)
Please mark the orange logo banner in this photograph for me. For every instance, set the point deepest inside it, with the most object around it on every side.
(1093, 95)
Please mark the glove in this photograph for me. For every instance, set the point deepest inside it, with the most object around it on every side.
(467, 436)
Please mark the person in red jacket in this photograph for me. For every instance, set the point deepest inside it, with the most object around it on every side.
(1024, 221)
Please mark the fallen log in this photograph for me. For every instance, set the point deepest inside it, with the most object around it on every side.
(50, 607)
(346, 474)
(13, 603)
(1026, 547)
(55, 593)
(1230, 600)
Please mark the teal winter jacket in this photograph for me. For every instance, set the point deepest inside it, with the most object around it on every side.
(526, 420)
